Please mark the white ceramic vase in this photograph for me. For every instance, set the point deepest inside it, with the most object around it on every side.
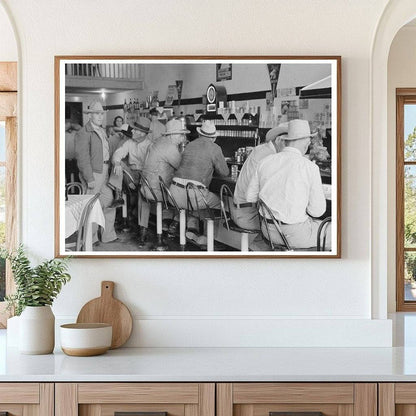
(37, 330)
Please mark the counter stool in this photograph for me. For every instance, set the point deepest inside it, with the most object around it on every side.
(226, 196)
(70, 187)
(126, 196)
(145, 189)
(267, 218)
(170, 203)
(205, 213)
(323, 226)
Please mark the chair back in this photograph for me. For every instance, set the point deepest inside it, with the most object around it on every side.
(127, 179)
(226, 196)
(167, 197)
(323, 226)
(192, 193)
(85, 216)
(146, 189)
(265, 214)
(74, 186)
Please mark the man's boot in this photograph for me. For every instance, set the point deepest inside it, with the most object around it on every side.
(142, 236)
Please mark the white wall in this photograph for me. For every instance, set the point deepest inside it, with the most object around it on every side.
(401, 74)
(179, 302)
(197, 77)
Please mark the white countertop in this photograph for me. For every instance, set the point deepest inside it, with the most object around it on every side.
(222, 364)
(213, 364)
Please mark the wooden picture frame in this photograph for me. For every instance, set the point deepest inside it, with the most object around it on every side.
(123, 86)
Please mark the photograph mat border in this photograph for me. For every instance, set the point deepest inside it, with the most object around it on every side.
(334, 61)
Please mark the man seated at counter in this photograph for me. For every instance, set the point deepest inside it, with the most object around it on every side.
(290, 185)
(200, 159)
(135, 148)
(243, 213)
(162, 160)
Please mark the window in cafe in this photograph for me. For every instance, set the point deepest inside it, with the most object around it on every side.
(406, 200)
(8, 172)
(2, 206)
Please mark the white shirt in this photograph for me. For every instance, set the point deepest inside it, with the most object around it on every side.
(137, 153)
(290, 185)
(248, 169)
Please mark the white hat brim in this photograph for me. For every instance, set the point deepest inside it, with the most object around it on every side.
(205, 134)
(285, 137)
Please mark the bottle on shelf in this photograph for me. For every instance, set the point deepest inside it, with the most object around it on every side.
(256, 138)
(232, 120)
(247, 119)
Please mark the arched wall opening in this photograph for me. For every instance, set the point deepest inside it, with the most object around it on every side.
(396, 14)
(401, 74)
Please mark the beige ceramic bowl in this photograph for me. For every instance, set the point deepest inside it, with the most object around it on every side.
(83, 340)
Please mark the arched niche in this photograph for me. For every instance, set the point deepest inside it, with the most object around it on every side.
(396, 14)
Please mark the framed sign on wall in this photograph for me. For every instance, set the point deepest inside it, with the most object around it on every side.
(245, 168)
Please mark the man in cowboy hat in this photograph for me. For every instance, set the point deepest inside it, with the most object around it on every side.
(290, 185)
(92, 151)
(135, 149)
(245, 213)
(200, 159)
(163, 158)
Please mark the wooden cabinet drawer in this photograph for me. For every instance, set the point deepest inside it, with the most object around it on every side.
(397, 399)
(105, 399)
(262, 399)
(24, 399)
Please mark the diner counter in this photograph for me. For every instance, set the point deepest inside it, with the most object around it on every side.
(212, 365)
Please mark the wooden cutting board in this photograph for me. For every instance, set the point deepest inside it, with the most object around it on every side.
(107, 309)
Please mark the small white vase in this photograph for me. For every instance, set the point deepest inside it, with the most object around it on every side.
(37, 330)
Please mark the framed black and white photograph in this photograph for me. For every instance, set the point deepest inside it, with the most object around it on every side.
(157, 158)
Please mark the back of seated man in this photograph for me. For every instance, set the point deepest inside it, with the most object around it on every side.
(162, 160)
(200, 159)
(291, 186)
(245, 213)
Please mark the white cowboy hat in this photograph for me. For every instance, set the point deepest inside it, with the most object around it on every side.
(276, 131)
(207, 129)
(175, 127)
(94, 107)
(298, 129)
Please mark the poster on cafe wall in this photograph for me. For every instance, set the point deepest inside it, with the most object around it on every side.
(274, 71)
(224, 72)
(146, 187)
(170, 95)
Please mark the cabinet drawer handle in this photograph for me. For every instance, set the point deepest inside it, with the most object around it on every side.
(296, 414)
(138, 414)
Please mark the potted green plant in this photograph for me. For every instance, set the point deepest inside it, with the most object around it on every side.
(36, 289)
